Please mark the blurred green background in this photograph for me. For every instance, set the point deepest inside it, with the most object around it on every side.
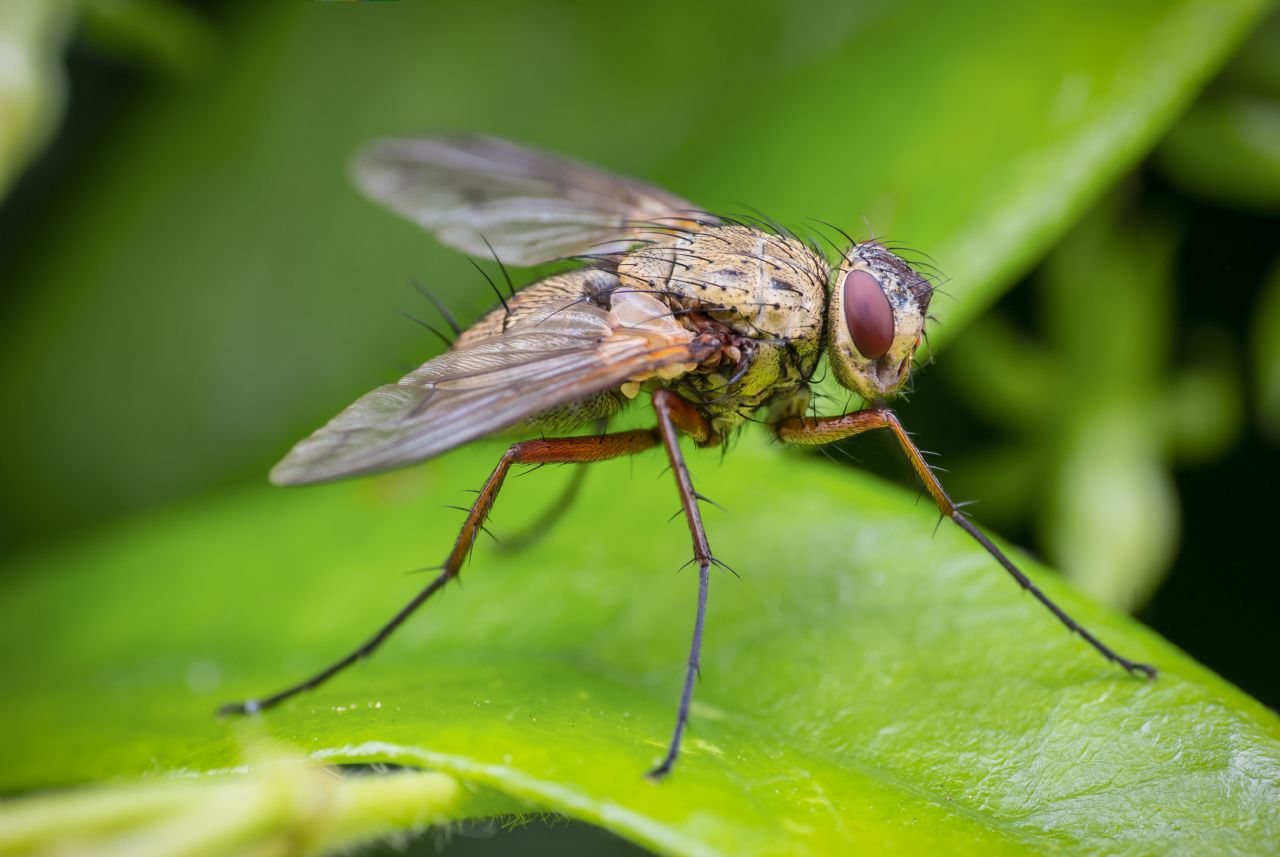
(190, 283)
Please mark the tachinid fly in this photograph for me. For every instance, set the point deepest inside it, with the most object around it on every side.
(715, 320)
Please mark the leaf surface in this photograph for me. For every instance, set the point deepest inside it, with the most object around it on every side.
(867, 685)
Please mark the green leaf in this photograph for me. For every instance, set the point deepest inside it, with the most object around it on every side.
(212, 283)
(1098, 443)
(161, 35)
(32, 33)
(1228, 150)
(1227, 147)
(867, 685)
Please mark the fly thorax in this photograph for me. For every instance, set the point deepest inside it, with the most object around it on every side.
(768, 290)
(764, 285)
(762, 290)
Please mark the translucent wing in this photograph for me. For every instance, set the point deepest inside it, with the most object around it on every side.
(565, 354)
(530, 205)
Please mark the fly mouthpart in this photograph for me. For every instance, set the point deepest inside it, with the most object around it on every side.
(890, 374)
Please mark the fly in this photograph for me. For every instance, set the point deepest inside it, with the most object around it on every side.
(713, 320)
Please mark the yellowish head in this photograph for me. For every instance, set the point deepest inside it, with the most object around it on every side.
(875, 319)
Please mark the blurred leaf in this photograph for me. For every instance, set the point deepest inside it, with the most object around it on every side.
(1256, 66)
(1002, 476)
(1100, 412)
(867, 686)
(280, 807)
(1108, 305)
(1203, 408)
(1266, 355)
(1111, 517)
(1227, 147)
(211, 287)
(1228, 150)
(165, 35)
(1004, 374)
(32, 33)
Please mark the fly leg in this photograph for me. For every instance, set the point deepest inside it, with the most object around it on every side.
(533, 534)
(548, 451)
(675, 414)
(815, 431)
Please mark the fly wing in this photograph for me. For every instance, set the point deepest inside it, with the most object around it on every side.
(566, 354)
(531, 206)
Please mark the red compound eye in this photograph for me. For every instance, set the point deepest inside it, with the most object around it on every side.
(867, 314)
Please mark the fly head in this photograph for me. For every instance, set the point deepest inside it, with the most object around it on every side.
(875, 319)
